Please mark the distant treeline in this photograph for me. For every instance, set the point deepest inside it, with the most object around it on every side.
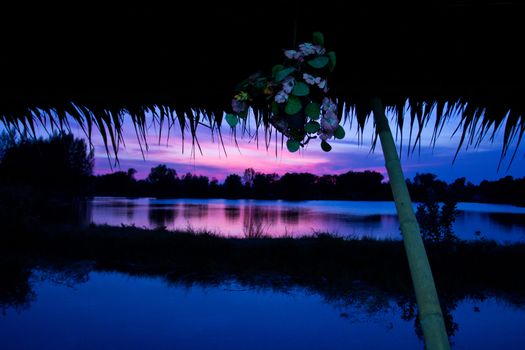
(62, 165)
(164, 182)
(367, 185)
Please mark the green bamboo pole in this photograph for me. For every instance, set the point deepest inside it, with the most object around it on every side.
(430, 314)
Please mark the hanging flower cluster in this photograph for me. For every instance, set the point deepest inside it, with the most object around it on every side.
(297, 94)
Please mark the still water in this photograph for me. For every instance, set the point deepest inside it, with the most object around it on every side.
(109, 310)
(241, 218)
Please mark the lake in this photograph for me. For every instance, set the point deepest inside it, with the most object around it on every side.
(244, 218)
(110, 310)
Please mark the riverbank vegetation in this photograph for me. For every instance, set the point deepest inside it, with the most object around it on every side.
(326, 259)
(367, 273)
(163, 181)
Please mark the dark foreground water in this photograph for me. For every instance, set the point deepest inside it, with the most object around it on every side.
(99, 310)
(503, 223)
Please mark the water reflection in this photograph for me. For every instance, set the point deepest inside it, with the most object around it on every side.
(16, 292)
(232, 213)
(292, 216)
(310, 315)
(161, 217)
(195, 211)
(130, 212)
(377, 305)
(254, 222)
(509, 221)
(369, 219)
(279, 218)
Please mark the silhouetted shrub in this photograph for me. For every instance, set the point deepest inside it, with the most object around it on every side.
(436, 222)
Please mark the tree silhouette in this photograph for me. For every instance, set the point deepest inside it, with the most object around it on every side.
(356, 185)
(425, 186)
(61, 163)
(366, 185)
(248, 177)
(233, 186)
(41, 181)
(117, 183)
(264, 185)
(435, 221)
(297, 185)
(163, 181)
(194, 185)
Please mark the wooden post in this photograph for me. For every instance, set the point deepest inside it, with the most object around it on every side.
(430, 314)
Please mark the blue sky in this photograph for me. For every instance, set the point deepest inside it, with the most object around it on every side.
(348, 154)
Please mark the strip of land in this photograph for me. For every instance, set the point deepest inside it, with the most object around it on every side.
(324, 260)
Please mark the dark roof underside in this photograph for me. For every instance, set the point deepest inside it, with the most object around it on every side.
(191, 55)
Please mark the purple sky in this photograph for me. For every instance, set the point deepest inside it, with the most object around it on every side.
(347, 154)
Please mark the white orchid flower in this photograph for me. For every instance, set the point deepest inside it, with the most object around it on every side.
(281, 97)
(307, 49)
(293, 54)
(288, 84)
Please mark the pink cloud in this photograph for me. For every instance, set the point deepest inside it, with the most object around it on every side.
(346, 155)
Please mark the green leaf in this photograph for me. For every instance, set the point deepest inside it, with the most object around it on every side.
(260, 83)
(276, 69)
(292, 145)
(319, 62)
(242, 85)
(232, 119)
(318, 38)
(313, 110)
(339, 132)
(275, 108)
(312, 127)
(331, 64)
(300, 89)
(293, 105)
(243, 114)
(326, 146)
(283, 73)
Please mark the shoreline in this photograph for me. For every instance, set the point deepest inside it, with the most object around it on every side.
(459, 267)
(91, 197)
(342, 271)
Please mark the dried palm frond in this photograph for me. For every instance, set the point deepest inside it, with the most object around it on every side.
(100, 65)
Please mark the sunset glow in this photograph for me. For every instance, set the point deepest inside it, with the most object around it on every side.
(353, 153)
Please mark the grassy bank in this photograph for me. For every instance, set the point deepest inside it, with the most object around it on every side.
(326, 260)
